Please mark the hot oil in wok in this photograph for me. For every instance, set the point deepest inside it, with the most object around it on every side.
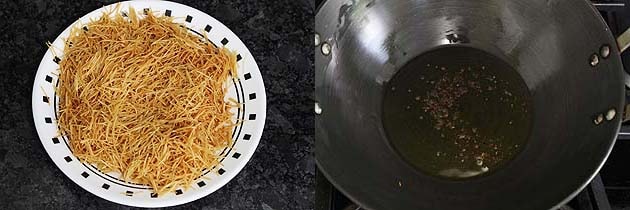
(457, 112)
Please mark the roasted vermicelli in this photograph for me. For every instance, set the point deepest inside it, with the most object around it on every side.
(144, 97)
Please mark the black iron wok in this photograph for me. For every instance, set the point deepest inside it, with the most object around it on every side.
(562, 50)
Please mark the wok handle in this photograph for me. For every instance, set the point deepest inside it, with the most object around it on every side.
(624, 41)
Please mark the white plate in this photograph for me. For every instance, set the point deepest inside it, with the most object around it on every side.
(248, 89)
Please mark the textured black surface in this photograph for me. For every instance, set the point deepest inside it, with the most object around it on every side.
(281, 172)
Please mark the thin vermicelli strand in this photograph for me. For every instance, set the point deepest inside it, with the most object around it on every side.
(145, 98)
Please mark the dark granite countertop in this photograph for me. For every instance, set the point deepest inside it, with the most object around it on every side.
(281, 172)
